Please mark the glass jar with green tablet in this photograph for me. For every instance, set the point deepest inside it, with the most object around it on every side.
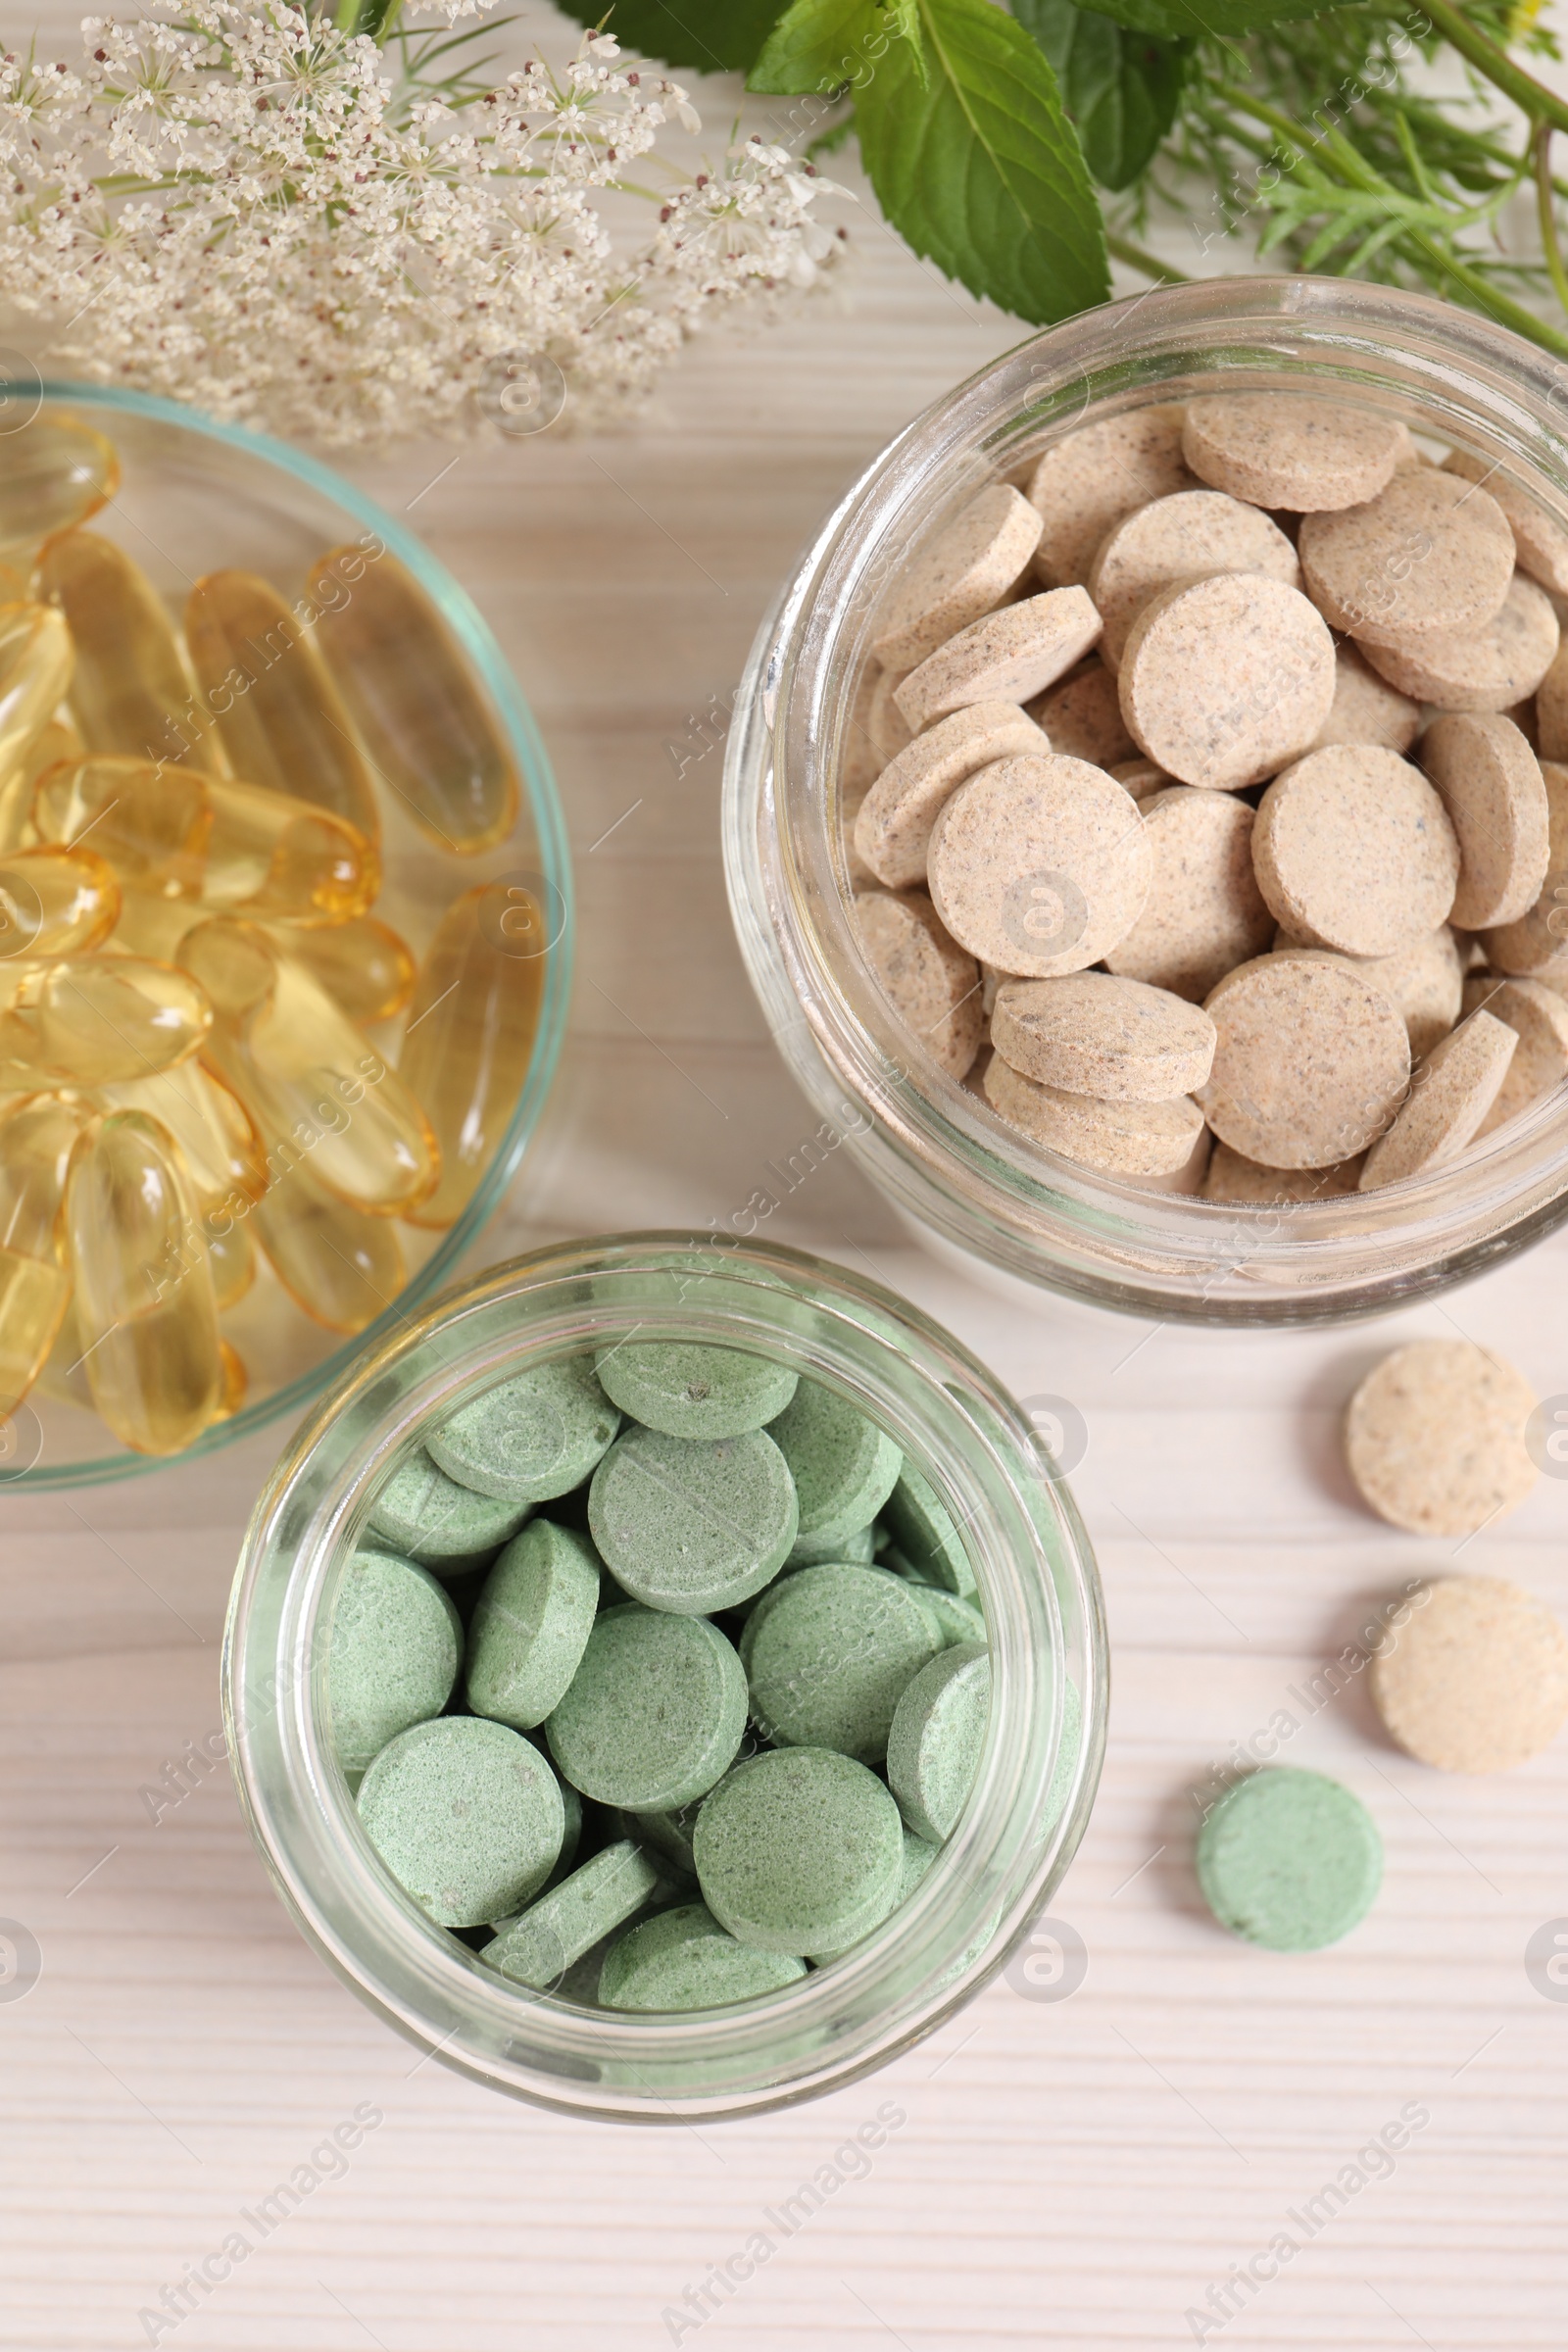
(667, 1678)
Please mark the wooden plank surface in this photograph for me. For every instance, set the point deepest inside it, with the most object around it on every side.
(1076, 2172)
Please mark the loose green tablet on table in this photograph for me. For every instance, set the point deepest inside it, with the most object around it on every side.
(722, 1695)
(1289, 1859)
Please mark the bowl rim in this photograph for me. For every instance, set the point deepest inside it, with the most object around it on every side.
(543, 803)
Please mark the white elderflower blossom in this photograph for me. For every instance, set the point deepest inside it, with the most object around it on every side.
(232, 202)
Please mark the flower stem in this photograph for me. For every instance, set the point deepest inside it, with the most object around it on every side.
(1150, 267)
(1546, 208)
(374, 17)
(1532, 97)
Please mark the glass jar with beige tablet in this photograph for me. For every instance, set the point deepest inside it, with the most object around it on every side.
(1144, 818)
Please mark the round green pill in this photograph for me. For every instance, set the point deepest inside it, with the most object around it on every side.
(467, 1815)
(538, 1948)
(654, 1712)
(938, 1732)
(531, 1625)
(393, 1654)
(667, 1830)
(956, 1620)
(920, 1524)
(690, 1390)
(798, 1851)
(690, 1525)
(1289, 1859)
(532, 1438)
(844, 1466)
(829, 1652)
(429, 1518)
(685, 1960)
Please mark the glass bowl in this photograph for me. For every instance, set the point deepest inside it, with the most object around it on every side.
(970, 1185)
(1038, 1583)
(197, 495)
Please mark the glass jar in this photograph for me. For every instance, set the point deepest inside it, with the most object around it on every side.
(966, 1181)
(1042, 1600)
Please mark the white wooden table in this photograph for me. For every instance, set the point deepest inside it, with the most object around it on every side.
(1077, 2173)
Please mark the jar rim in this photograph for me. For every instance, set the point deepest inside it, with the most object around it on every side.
(947, 1160)
(1037, 1582)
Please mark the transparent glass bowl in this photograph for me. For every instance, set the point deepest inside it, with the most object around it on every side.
(1042, 1599)
(197, 495)
(970, 1185)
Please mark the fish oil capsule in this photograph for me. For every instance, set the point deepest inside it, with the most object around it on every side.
(87, 1020)
(55, 902)
(173, 832)
(146, 1311)
(36, 669)
(154, 927)
(282, 721)
(236, 1380)
(55, 474)
(217, 1137)
(313, 1084)
(362, 966)
(428, 731)
(132, 693)
(231, 1262)
(470, 1037)
(58, 745)
(37, 1137)
(340, 1265)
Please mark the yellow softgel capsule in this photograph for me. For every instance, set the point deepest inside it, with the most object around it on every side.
(88, 1021)
(35, 667)
(362, 966)
(471, 1031)
(216, 1133)
(428, 734)
(145, 1308)
(37, 1137)
(340, 1265)
(313, 1084)
(132, 692)
(55, 474)
(231, 1262)
(235, 1381)
(282, 721)
(172, 832)
(58, 746)
(55, 902)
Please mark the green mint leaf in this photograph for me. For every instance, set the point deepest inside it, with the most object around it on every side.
(824, 45)
(1121, 88)
(1188, 20)
(978, 168)
(709, 36)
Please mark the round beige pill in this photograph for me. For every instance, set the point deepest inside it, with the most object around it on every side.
(1488, 666)
(1538, 1017)
(932, 984)
(1541, 542)
(968, 568)
(1366, 708)
(1090, 478)
(1428, 553)
(889, 731)
(1082, 717)
(1491, 784)
(1225, 681)
(1435, 1437)
(1536, 941)
(1451, 1094)
(1353, 850)
(892, 826)
(1009, 657)
(1186, 537)
(1311, 1064)
(1285, 449)
(1233, 1178)
(1093, 1034)
(1473, 1677)
(1039, 865)
(1117, 1139)
(1141, 777)
(1425, 981)
(1551, 710)
(1204, 913)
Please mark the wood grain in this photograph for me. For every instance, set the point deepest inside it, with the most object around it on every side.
(1072, 2173)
